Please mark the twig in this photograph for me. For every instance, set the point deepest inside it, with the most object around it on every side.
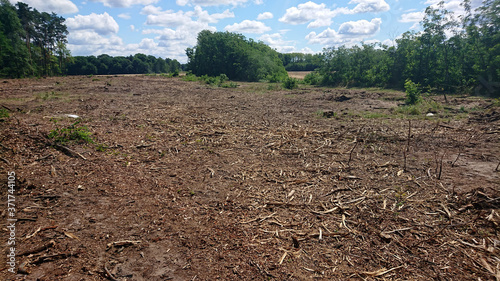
(350, 153)
(69, 152)
(110, 276)
(380, 271)
(122, 243)
(40, 249)
(283, 258)
(50, 258)
(409, 136)
(5, 160)
(325, 212)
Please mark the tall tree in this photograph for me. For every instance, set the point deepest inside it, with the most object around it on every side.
(13, 52)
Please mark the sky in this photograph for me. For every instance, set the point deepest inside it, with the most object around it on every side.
(165, 28)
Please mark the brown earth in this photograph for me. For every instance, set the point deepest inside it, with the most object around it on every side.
(190, 182)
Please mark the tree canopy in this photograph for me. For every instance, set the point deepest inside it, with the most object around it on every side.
(137, 64)
(33, 43)
(232, 54)
(451, 54)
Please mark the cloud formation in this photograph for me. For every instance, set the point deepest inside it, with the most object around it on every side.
(102, 24)
(155, 16)
(319, 15)
(125, 3)
(212, 2)
(265, 16)
(349, 33)
(248, 26)
(56, 6)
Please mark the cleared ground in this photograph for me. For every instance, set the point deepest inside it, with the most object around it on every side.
(190, 182)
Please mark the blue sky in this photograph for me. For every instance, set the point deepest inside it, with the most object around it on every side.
(165, 28)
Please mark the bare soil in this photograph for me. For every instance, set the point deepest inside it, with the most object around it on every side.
(190, 182)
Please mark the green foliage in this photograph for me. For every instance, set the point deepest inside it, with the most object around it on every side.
(79, 134)
(447, 56)
(423, 107)
(4, 114)
(232, 54)
(290, 83)
(136, 64)
(190, 77)
(229, 85)
(413, 93)
(31, 43)
(313, 78)
(301, 62)
(218, 81)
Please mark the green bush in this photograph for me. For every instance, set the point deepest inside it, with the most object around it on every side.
(4, 114)
(190, 77)
(276, 77)
(313, 78)
(71, 133)
(413, 93)
(290, 83)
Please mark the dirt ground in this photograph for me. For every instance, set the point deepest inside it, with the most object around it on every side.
(189, 182)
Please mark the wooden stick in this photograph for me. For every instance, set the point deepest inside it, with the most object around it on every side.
(350, 153)
(39, 249)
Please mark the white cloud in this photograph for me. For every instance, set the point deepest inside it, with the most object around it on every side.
(319, 15)
(248, 26)
(307, 12)
(412, 17)
(203, 16)
(369, 6)
(103, 24)
(132, 27)
(276, 41)
(212, 2)
(92, 38)
(349, 33)
(56, 6)
(361, 27)
(125, 16)
(174, 19)
(125, 3)
(265, 16)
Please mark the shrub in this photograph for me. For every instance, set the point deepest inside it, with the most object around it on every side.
(189, 77)
(276, 77)
(313, 78)
(290, 83)
(71, 133)
(4, 114)
(413, 93)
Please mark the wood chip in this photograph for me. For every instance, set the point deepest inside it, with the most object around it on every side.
(380, 272)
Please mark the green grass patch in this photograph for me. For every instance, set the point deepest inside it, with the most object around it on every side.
(45, 96)
(71, 133)
(4, 114)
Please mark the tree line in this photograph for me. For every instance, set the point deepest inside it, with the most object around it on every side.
(301, 61)
(137, 64)
(34, 44)
(451, 54)
(232, 54)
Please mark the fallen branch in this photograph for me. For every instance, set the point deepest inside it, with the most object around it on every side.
(380, 271)
(110, 276)
(39, 249)
(69, 152)
(122, 243)
(50, 258)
